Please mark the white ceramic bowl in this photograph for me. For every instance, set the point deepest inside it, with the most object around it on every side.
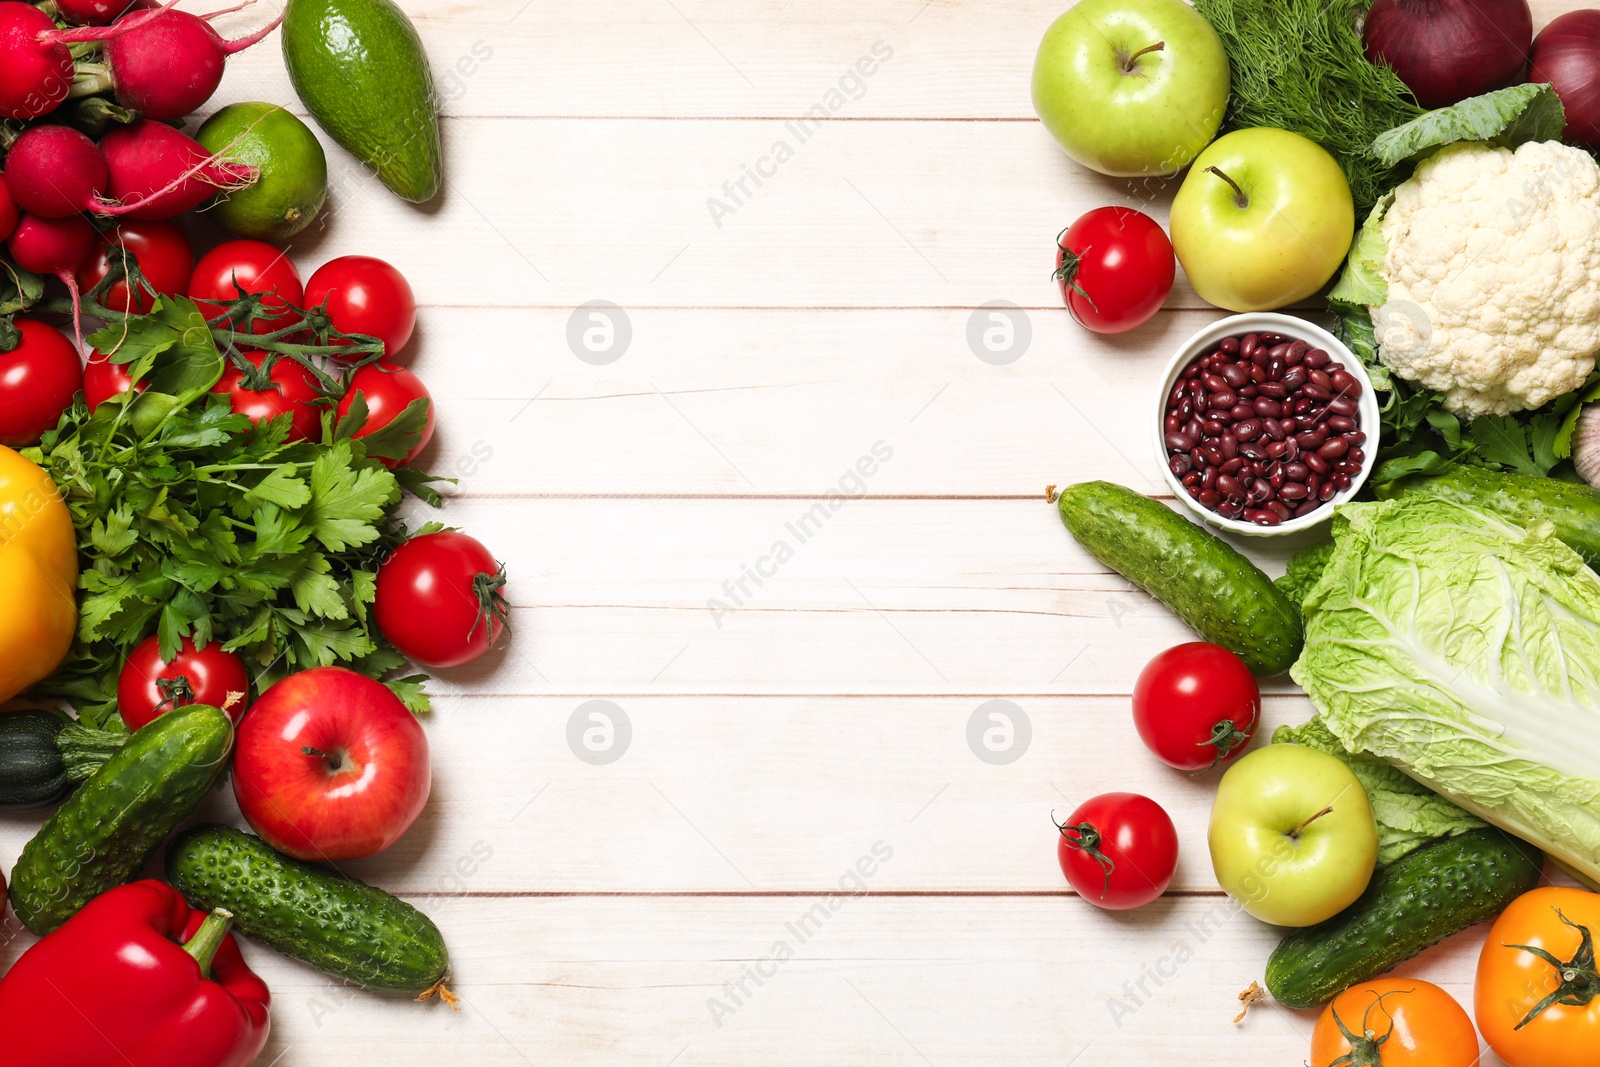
(1294, 328)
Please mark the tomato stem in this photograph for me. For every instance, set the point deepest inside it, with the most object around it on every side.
(1226, 737)
(1067, 272)
(1366, 1048)
(492, 604)
(175, 692)
(1580, 978)
(1086, 838)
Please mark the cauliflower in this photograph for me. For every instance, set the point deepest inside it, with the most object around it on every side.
(1493, 267)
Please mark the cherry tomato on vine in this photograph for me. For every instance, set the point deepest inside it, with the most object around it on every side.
(440, 599)
(259, 268)
(1119, 850)
(289, 388)
(367, 296)
(149, 685)
(387, 389)
(38, 380)
(1115, 266)
(1394, 1022)
(1537, 998)
(161, 251)
(1196, 705)
(103, 379)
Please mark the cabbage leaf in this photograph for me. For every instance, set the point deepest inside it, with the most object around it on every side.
(1465, 650)
(1505, 117)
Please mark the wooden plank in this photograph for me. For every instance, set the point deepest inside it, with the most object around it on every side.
(755, 402)
(887, 981)
(897, 213)
(716, 58)
(886, 597)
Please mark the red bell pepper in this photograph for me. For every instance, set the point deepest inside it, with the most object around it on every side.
(135, 979)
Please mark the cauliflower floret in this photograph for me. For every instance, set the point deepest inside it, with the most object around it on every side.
(1493, 266)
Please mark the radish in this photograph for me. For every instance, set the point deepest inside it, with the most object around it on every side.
(55, 171)
(54, 246)
(164, 63)
(35, 70)
(157, 172)
(90, 12)
(8, 210)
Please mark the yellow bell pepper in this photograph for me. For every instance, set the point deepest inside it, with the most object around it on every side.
(38, 575)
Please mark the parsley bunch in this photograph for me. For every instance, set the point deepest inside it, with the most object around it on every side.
(193, 521)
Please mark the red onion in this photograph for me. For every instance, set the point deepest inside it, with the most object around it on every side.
(1448, 50)
(1567, 55)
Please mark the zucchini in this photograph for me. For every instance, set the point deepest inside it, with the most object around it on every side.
(32, 773)
(103, 834)
(1572, 508)
(1221, 595)
(337, 924)
(1415, 902)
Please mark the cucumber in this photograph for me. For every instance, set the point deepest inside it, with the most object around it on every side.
(1572, 508)
(1415, 902)
(313, 913)
(1221, 595)
(102, 835)
(32, 773)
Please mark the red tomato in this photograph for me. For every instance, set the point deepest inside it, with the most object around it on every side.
(38, 380)
(1196, 705)
(1115, 266)
(387, 389)
(103, 379)
(149, 685)
(368, 296)
(1119, 850)
(294, 390)
(439, 599)
(8, 211)
(163, 255)
(257, 266)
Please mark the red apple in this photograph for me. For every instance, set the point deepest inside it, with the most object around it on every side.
(330, 766)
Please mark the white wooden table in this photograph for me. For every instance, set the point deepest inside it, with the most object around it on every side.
(778, 716)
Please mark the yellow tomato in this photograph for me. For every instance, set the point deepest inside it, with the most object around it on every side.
(38, 575)
(1538, 993)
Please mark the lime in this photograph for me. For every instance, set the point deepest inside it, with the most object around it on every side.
(294, 172)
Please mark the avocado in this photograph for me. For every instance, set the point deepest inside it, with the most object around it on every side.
(360, 68)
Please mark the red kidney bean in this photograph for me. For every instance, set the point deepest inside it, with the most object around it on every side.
(1293, 378)
(1357, 456)
(1235, 374)
(1228, 445)
(1276, 390)
(1313, 390)
(1356, 438)
(1278, 351)
(1267, 406)
(1177, 442)
(1247, 346)
(1229, 486)
(1213, 454)
(1302, 406)
(1343, 405)
(1208, 478)
(1196, 458)
(1343, 382)
(1247, 429)
(1292, 491)
(1209, 499)
(1273, 429)
(1249, 392)
(1192, 478)
(1215, 383)
(1212, 427)
(1253, 450)
(1296, 472)
(1317, 358)
(1313, 483)
(1276, 449)
(1258, 375)
(1291, 450)
(1180, 466)
(1307, 508)
(1278, 479)
(1222, 401)
(1333, 448)
(1344, 466)
(1194, 491)
(1191, 371)
(1261, 492)
(1310, 440)
(1229, 345)
(1234, 465)
(1280, 509)
(1339, 423)
(1241, 410)
(1327, 491)
(1317, 464)
(1171, 424)
(1230, 509)
(1321, 379)
(1343, 481)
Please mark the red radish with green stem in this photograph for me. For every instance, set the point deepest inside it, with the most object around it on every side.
(35, 71)
(55, 171)
(54, 246)
(90, 12)
(157, 172)
(163, 63)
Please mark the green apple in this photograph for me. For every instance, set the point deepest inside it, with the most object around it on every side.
(1263, 219)
(1293, 838)
(1131, 87)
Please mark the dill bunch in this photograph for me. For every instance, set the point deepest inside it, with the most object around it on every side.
(1299, 65)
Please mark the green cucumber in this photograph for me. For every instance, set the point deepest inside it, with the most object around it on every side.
(32, 773)
(335, 923)
(103, 834)
(1221, 595)
(1571, 507)
(1415, 902)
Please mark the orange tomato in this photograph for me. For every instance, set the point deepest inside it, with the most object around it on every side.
(1538, 993)
(1394, 1022)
